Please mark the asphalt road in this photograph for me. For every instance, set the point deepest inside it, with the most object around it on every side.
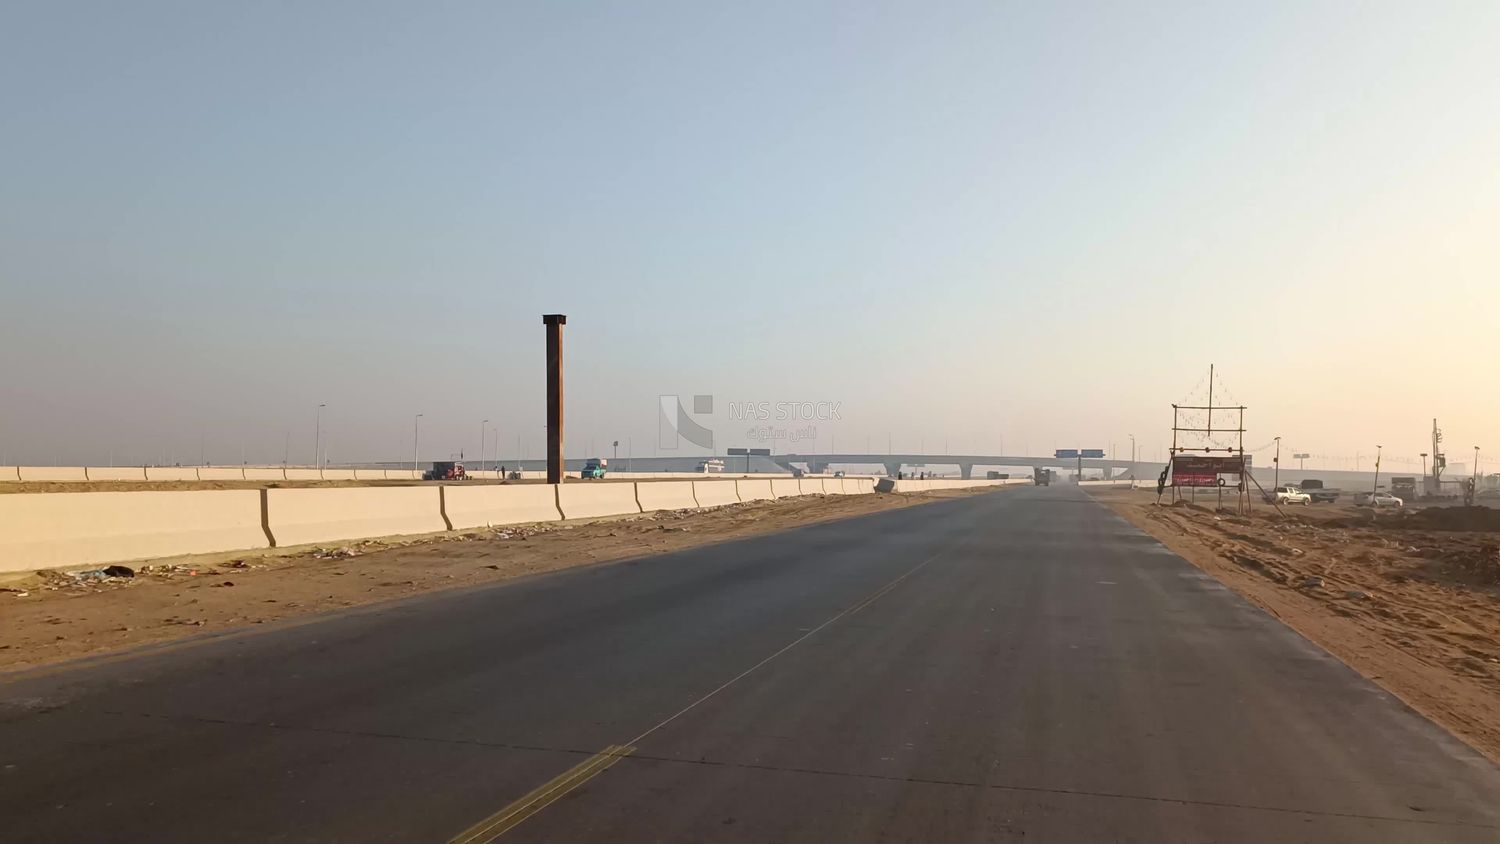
(1016, 665)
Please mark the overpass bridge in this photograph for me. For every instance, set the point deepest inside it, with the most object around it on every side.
(965, 463)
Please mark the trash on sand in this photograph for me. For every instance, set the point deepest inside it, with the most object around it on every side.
(107, 572)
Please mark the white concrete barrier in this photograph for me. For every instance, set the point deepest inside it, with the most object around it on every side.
(665, 495)
(370, 474)
(302, 516)
(481, 506)
(812, 486)
(403, 474)
(9, 473)
(861, 486)
(116, 473)
(302, 473)
(339, 475)
(59, 474)
(264, 473)
(583, 500)
(754, 490)
(47, 530)
(785, 488)
(171, 473)
(715, 493)
(221, 473)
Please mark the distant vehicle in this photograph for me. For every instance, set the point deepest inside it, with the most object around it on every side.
(446, 470)
(594, 469)
(1377, 500)
(1042, 477)
(997, 476)
(1292, 495)
(713, 464)
(1404, 488)
(1320, 495)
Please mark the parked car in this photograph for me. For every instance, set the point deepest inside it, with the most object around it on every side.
(1292, 495)
(1377, 500)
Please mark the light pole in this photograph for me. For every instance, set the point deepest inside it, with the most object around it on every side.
(318, 442)
(1424, 470)
(617, 452)
(1276, 461)
(1377, 470)
(1475, 473)
(416, 440)
(1132, 454)
(482, 435)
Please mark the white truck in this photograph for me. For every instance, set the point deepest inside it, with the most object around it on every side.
(1292, 495)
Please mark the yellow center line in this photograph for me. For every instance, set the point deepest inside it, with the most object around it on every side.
(543, 796)
(511, 816)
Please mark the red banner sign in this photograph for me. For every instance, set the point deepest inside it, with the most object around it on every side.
(1196, 470)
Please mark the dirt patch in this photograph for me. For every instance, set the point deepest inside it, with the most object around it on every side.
(54, 616)
(1409, 600)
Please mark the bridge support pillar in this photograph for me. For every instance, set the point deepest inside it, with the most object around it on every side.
(966, 470)
(891, 469)
(818, 468)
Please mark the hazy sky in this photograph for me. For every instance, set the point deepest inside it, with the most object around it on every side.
(964, 221)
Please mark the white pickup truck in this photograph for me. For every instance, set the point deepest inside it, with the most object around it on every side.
(1292, 495)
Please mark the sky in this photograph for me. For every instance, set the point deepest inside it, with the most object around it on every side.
(976, 226)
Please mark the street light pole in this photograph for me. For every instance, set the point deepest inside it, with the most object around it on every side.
(483, 431)
(318, 442)
(416, 440)
(1377, 470)
(1276, 461)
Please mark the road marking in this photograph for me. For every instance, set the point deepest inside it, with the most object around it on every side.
(549, 792)
(511, 816)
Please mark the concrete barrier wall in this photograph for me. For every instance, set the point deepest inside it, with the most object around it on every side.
(928, 484)
(369, 474)
(665, 495)
(339, 475)
(715, 493)
(785, 488)
(9, 473)
(861, 486)
(218, 473)
(302, 516)
(264, 473)
(171, 473)
(52, 473)
(754, 490)
(813, 486)
(296, 473)
(93, 528)
(480, 506)
(116, 473)
(581, 500)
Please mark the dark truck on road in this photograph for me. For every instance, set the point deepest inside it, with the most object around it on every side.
(1320, 495)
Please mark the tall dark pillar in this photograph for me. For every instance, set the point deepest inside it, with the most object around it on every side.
(554, 323)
